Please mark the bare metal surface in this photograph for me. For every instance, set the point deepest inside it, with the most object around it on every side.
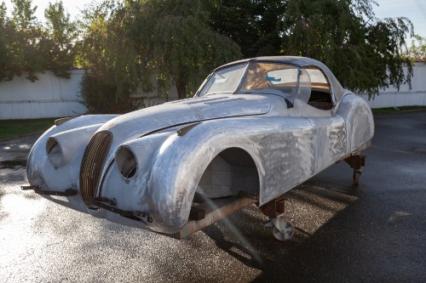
(286, 146)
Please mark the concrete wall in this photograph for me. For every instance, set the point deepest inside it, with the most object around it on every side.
(47, 97)
(416, 96)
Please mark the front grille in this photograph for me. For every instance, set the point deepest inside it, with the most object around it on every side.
(92, 164)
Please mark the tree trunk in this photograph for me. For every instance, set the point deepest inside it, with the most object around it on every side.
(181, 88)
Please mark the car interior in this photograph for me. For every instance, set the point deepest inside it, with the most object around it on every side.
(314, 87)
(321, 98)
(320, 95)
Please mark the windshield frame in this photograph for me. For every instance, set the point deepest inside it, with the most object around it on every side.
(245, 65)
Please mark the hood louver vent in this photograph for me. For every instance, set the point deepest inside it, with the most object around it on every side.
(92, 164)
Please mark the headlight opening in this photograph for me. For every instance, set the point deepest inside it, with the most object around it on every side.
(126, 162)
(54, 152)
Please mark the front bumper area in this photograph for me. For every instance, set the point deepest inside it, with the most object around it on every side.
(37, 190)
(202, 214)
(102, 207)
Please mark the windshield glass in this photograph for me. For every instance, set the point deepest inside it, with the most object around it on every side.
(270, 77)
(253, 77)
(224, 80)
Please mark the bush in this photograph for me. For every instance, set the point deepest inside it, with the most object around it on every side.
(99, 95)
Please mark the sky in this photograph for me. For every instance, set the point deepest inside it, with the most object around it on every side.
(73, 7)
(415, 10)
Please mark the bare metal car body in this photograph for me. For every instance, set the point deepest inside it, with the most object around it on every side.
(147, 165)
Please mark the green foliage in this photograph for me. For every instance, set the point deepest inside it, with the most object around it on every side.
(4, 56)
(103, 96)
(363, 52)
(156, 44)
(153, 44)
(110, 59)
(27, 47)
(256, 26)
(25, 37)
(23, 14)
(10, 129)
(59, 43)
(175, 37)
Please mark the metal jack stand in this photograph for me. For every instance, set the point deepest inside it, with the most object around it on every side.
(282, 230)
(357, 163)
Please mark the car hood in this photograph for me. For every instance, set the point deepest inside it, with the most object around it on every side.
(151, 119)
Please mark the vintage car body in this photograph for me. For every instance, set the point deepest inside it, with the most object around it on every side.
(147, 165)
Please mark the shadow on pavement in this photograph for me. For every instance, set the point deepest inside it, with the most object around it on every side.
(309, 208)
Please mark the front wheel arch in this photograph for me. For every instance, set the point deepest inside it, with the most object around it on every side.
(178, 169)
(230, 172)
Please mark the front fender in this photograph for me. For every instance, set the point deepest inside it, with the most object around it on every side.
(181, 162)
(130, 193)
(41, 172)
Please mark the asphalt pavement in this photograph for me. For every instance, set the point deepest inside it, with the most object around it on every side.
(375, 233)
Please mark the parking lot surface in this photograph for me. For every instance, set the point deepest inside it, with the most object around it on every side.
(376, 232)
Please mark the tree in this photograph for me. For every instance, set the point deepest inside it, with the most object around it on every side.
(27, 47)
(256, 26)
(110, 59)
(153, 44)
(4, 56)
(23, 14)
(158, 43)
(176, 38)
(364, 52)
(60, 39)
(24, 37)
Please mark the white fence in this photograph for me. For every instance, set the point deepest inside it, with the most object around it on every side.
(51, 96)
(47, 97)
(406, 96)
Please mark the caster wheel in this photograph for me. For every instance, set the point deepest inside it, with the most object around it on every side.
(281, 229)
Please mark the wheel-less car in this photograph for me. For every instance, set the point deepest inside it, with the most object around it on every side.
(255, 129)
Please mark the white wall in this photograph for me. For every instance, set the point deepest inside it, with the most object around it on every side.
(49, 96)
(416, 96)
